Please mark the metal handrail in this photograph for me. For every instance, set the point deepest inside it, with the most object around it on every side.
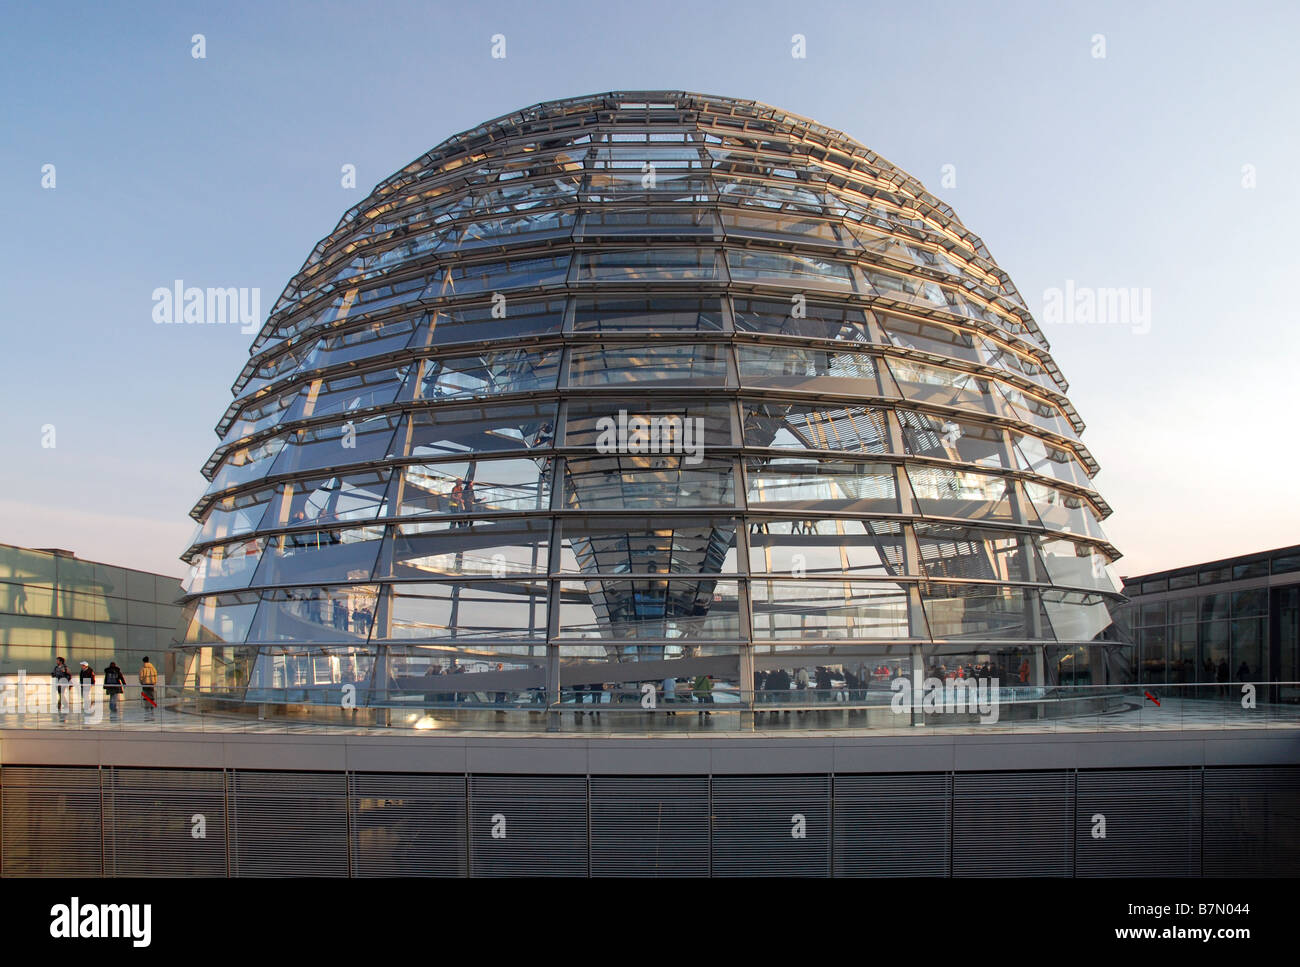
(36, 704)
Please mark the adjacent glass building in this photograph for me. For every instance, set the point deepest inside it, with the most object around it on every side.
(53, 603)
(1229, 621)
(639, 387)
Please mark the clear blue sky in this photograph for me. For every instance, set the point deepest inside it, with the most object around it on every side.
(1123, 171)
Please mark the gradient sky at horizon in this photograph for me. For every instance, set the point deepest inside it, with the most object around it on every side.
(1116, 172)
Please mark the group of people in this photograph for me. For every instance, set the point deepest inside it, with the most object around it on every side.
(701, 691)
(461, 500)
(322, 609)
(674, 691)
(979, 671)
(114, 684)
(820, 683)
(1219, 674)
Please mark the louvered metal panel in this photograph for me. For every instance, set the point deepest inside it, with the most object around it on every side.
(51, 821)
(288, 824)
(757, 828)
(408, 825)
(528, 826)
(1012, 824)
(892, 825)
(164, 822)
(1252, 821)
(1151, 819)
(995, 824)
(656, 826)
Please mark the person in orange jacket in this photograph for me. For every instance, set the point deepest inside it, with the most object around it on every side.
(148, 679)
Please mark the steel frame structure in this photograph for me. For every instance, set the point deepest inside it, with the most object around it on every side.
(872, 391)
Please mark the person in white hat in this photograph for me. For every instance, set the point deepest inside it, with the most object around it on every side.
(87, 685)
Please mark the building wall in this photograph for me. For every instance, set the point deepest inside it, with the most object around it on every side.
(116, 821)
(1193, 623)
(55, 604)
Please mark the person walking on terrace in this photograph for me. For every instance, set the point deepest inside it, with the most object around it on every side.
(61, 677)
(114, 681)
(87, 685)
(148, 679)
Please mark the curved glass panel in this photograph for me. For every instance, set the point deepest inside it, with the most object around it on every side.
(236, 514)
(361, 442)
(655, 608)
(798, 317)
(460, 280)
(473, 487)
(324, 614)
(1042, 458)
(646, 483)
(923, 383)
(946, 438)
(941, 492)
(774, 268)
(807, 609)
(497, 373)
(648, 545)
(649, 426)
(647, 313)
(481, 428)
(219, 619)
(696, 364)
(328, 500)
(794, 367)
(793, 227)
(1076, 564)
(664, 265)
(509, 319)
(246, 463)
(371, 340)
(224, 567)
(930, 337)
(1060, 511)
(302, 556)
(826, 547)
(445, 548)
(795, 483)
(985, 612)
(347, 392)
(639, 222)
(862, 429)
(466, 610)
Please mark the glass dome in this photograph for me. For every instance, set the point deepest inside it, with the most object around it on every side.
(635, 388)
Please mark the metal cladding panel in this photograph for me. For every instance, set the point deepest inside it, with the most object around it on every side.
(1152, 822)
(528, 825)
(408, 825)
(892, 825)
(51, 821)
(1252, 821)
(288, 824)
(649, 826)
(1012, 824)
(164, 822)
(771, 826)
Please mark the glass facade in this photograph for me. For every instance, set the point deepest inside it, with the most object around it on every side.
(643, 387)
(53, 604)
(1227, 622)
